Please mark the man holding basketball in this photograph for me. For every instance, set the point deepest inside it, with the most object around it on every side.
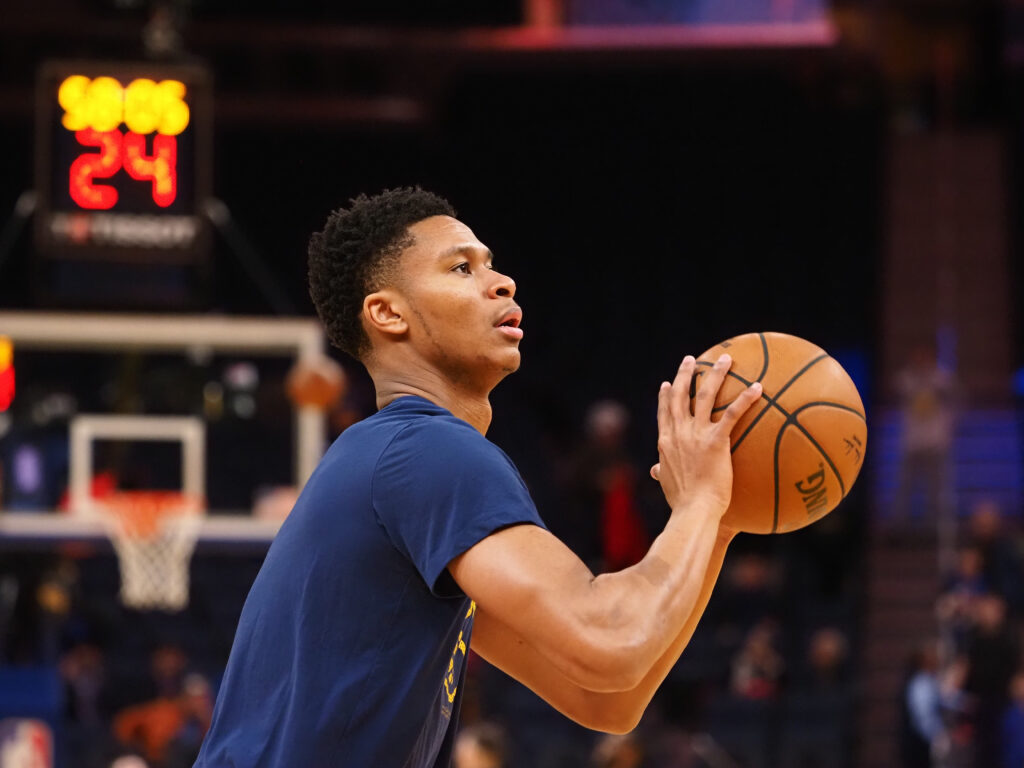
(415, 539)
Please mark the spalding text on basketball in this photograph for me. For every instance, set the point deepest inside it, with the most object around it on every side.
(812, 489)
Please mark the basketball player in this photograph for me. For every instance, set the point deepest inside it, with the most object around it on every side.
(416, 540)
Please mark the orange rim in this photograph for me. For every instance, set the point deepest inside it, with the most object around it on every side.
(140, 513)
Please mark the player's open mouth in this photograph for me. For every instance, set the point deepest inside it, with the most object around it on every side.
(509, 324)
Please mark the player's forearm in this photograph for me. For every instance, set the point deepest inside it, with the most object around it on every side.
(622, 710)
(639, 613)
(615, 712)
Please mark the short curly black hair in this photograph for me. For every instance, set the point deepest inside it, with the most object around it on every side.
(356, 252)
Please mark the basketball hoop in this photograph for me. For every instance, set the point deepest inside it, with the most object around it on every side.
(154, 534)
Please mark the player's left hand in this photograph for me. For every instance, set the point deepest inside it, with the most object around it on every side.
(724, 531)
(695, 464)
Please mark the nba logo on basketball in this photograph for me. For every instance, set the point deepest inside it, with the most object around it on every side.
(25, 744)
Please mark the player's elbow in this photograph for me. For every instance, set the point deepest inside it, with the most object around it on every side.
(608, 665)
(611, 714)
(617, 723)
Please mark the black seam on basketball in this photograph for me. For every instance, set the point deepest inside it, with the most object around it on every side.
(773, 400)
(764, 370)
(792, 420)
(775, 474)
(796, 376)
(830, 404)
(757, 418)
(740, 379)
(764, 356)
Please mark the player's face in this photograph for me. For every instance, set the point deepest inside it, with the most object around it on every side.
(464, 318)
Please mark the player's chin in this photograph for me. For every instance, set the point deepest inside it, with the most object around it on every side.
(511, 361)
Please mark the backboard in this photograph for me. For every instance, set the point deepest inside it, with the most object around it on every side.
(172, 402)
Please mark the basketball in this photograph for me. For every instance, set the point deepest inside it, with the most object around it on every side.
(317, 382)
(798, 450)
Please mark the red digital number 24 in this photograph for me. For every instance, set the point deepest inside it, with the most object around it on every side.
(128, 152)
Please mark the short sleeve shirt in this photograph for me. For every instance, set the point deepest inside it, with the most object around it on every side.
(352, 642)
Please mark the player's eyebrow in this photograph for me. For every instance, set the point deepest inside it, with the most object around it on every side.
(468, 250)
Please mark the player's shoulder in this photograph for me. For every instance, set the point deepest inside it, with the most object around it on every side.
(432, 434)
(439, 428)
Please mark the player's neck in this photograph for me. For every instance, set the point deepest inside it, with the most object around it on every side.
(473, 407)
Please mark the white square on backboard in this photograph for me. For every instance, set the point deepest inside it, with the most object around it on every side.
(85, 429)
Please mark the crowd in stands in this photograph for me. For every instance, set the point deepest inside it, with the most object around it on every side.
(964, 697)
(154, 722)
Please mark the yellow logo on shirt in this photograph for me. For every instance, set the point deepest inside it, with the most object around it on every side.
(450, 686)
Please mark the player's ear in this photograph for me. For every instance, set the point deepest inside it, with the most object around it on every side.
(383, 312)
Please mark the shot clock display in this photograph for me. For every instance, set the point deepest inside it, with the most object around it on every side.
(122, 161)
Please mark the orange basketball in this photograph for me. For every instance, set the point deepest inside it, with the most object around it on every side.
(318, 382)
(797, 452)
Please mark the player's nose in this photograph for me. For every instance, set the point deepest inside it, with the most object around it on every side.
(502, 286)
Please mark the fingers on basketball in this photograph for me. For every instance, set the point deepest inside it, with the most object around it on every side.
(799, 447)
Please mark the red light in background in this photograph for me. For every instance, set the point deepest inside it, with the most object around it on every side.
(161, 167)
(6, 373)
(91, 166)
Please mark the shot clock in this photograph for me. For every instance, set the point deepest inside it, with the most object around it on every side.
(122, 162)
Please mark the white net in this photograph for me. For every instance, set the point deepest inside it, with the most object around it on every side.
(154, 535)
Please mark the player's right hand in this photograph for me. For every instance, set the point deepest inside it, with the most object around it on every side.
(695, 464)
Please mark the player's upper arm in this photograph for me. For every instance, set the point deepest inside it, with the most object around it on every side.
(439, 488)
(529, 581)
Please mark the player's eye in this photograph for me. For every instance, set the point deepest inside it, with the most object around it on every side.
(461, 267)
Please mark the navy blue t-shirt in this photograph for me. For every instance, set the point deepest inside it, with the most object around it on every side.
(352, 643)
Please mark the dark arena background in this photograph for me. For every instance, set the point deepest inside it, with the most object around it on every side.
(657, 176)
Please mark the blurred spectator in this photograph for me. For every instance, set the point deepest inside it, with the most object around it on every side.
(672, 746)
(167, 665)
(129, 761)
(924, 737)
(1001, 566)
(83, 670)
(169, 729)
(992, 658)
(482, 745)
(956, 605)
(603, 487)
(926, 392)
(197, 711)
(54, 598)
(816, 710)
(618, 751)
(827, 653)
(757, 668)
(1013, 725)
(747, 595)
